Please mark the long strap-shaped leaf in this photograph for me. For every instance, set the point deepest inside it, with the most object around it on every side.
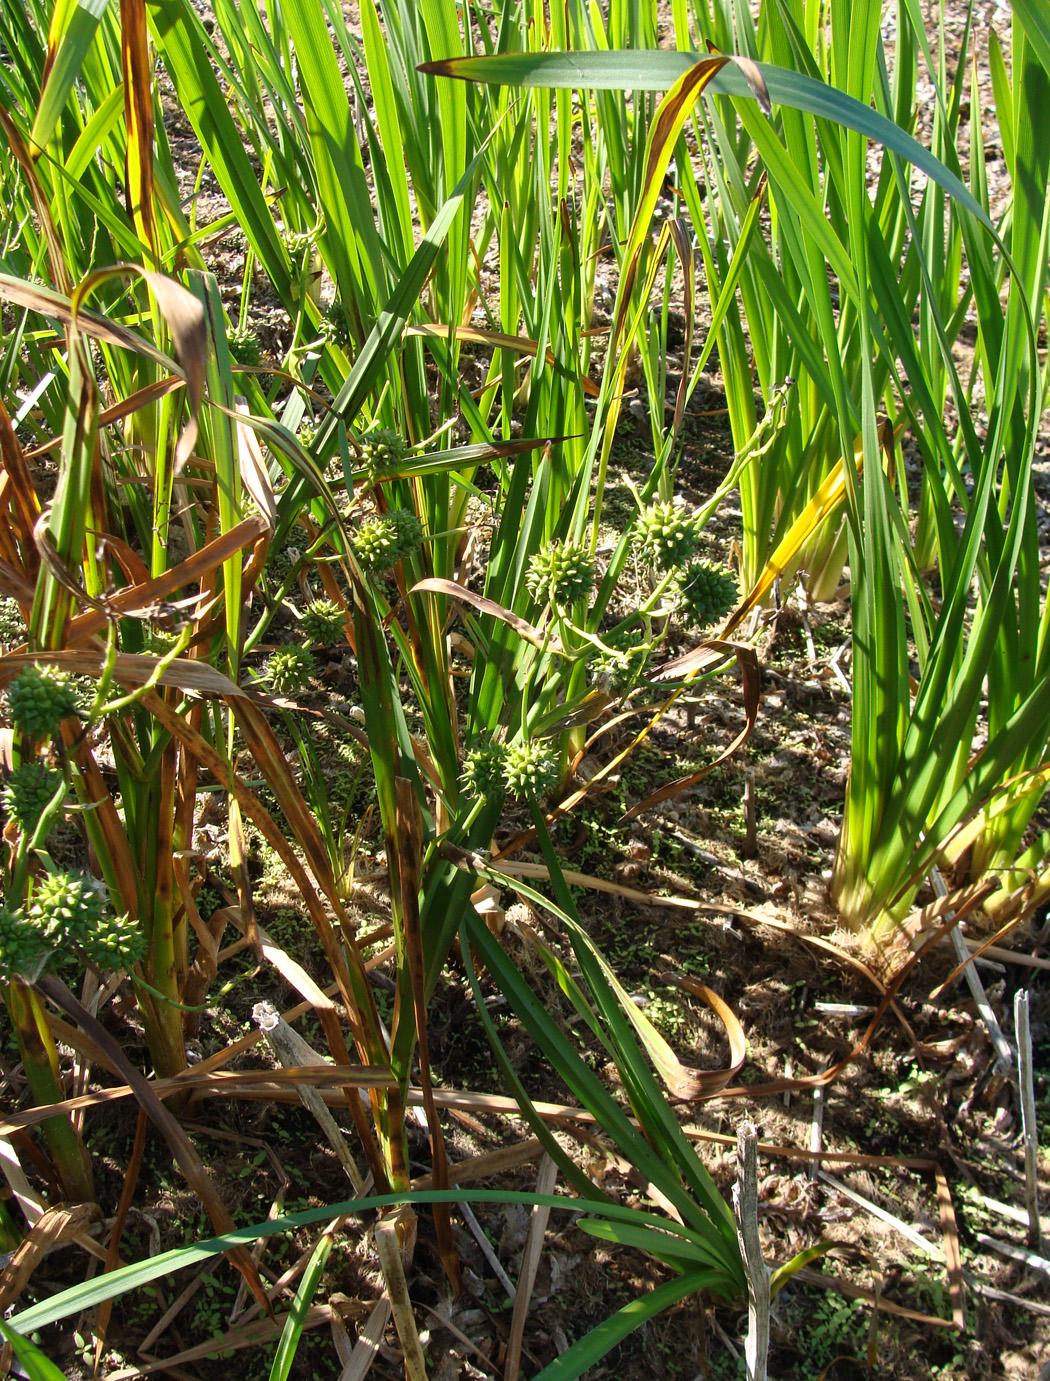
(140, 1273)
(660, 69)
(72, 34)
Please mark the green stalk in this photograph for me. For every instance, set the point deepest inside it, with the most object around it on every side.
(40, 1063)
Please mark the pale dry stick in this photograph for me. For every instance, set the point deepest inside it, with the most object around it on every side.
(546, 1180)
(890, 1219)
(979, 1287)
(177, 1305)
(992, 965)
(1032, 1260)
(802, 600)
(341, 1340)
(366, 1349)
(750, 848)
(294, 1052)
(389, 1248)
(471, 1220)
(262, 1331)
(724, 1337)
(1011, 956)
(816, 1127)
(843, 1009)
(745, 1205)
(1001, 1046)
(1010, 1211)
(29, 1201)
(1030, 1129)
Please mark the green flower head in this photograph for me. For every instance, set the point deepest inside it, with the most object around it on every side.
(564, 574)
(245, 346)
(38, 700)
(382, 541)
(68, 906)
(666, 535)
(335, 325)
(322, 623)
(117, 942)
(23, 949)
(705, 593)
(483, 773)
(27, 791)
(289, 669)
(530, 769)
(297, 242)
(382, 448)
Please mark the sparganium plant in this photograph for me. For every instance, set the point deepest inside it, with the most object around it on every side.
(560, 572)
(245, 346)
(289, 669)
(666, 534)
(484, 769)
(27, 792)
(39, 699)
(383, 540)
(23, 949)
(530, 769)
(704, 593)
(322, 623)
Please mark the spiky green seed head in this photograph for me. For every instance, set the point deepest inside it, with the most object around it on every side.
(483, 774)
(705, 593)
(564, 574)
(322, 623)
(307, 435)
(335, 325)
(38, 700)
(382, 448)
(245, 346)
(666, 535)
(530, 769)
(68, 906)
(27, 791)
(116, 942)
(289, 669)
(382, 541)
(12, 624)
(23, 949)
